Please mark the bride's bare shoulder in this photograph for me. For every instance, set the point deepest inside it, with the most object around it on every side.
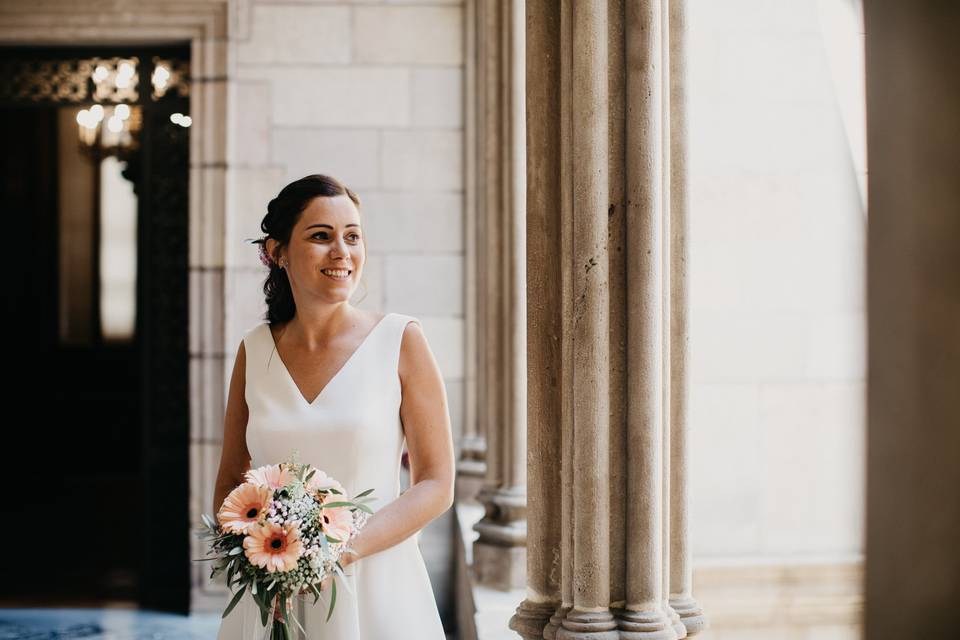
(416, 357)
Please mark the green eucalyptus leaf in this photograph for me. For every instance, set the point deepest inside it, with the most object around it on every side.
(333, 599)
(283, 610)
(263, 617)
(342, 503)
(234, 602)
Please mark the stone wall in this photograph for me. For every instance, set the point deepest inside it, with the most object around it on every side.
(778, 336)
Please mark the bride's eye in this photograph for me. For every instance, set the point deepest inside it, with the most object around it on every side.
(323, 234)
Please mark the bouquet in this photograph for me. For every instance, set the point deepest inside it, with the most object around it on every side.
(283, 532)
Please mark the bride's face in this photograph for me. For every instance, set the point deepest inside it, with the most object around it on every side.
(327, 236)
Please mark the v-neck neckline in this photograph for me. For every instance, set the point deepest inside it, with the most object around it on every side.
(289, 376)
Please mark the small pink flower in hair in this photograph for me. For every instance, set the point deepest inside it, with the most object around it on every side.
(265, 257)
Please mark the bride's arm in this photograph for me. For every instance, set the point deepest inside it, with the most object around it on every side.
(426, 424)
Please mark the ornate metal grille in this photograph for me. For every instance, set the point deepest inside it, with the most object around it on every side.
(45, 76)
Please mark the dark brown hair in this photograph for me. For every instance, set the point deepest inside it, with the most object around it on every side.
(283, 213)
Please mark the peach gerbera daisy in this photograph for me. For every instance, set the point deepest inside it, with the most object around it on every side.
(273, 476)
(337, 522)
(244, 507)
(320, 480)
(273, 547)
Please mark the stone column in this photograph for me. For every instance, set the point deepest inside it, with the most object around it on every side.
(680, 574)
(599, 256)
(645, 613)
(913, 314)
(587, 326)
(499, 553)
(548, 384)
(471, 465)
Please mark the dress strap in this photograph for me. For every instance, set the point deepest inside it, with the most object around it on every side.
(254, 350)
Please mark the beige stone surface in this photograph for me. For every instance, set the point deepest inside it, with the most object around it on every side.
(403, 222)
(296, 33)
(395, 35)
(437, 97)
(343, 96)
(445, 294)
(421, 159)
(778, 324)
(352, 155)
(250, 191)
(250, 127)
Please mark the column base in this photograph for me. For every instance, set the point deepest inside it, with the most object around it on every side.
(676, 623)
(691, 615)
(471, 469)
(588, 625)
(531, 618)
(550, 631)
(645, 625)
(467, 486)
(499, 567)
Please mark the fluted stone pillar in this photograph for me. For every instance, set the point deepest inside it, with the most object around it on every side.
(471, 465)
(499, 553)
(601, 327)
(680, 573)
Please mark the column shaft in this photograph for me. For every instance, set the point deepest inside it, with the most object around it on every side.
(590, 616)
(499, 553)
(471, 466)
(680, 573)
(547, 229)
(643, 615)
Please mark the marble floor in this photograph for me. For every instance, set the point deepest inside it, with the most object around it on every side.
(104, 624)
(107, 624)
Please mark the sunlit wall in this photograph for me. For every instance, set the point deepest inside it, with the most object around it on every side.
(778, 318)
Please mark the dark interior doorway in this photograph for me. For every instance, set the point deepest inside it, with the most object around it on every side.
(97, 240)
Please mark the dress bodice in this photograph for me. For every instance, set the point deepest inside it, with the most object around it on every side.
(351, 430)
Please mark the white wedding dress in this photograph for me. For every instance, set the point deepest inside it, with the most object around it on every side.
(352, 431)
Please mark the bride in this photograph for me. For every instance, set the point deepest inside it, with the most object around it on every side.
(346, 388)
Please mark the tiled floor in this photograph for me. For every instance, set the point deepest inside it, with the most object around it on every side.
(104, 624)
(107, 624)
